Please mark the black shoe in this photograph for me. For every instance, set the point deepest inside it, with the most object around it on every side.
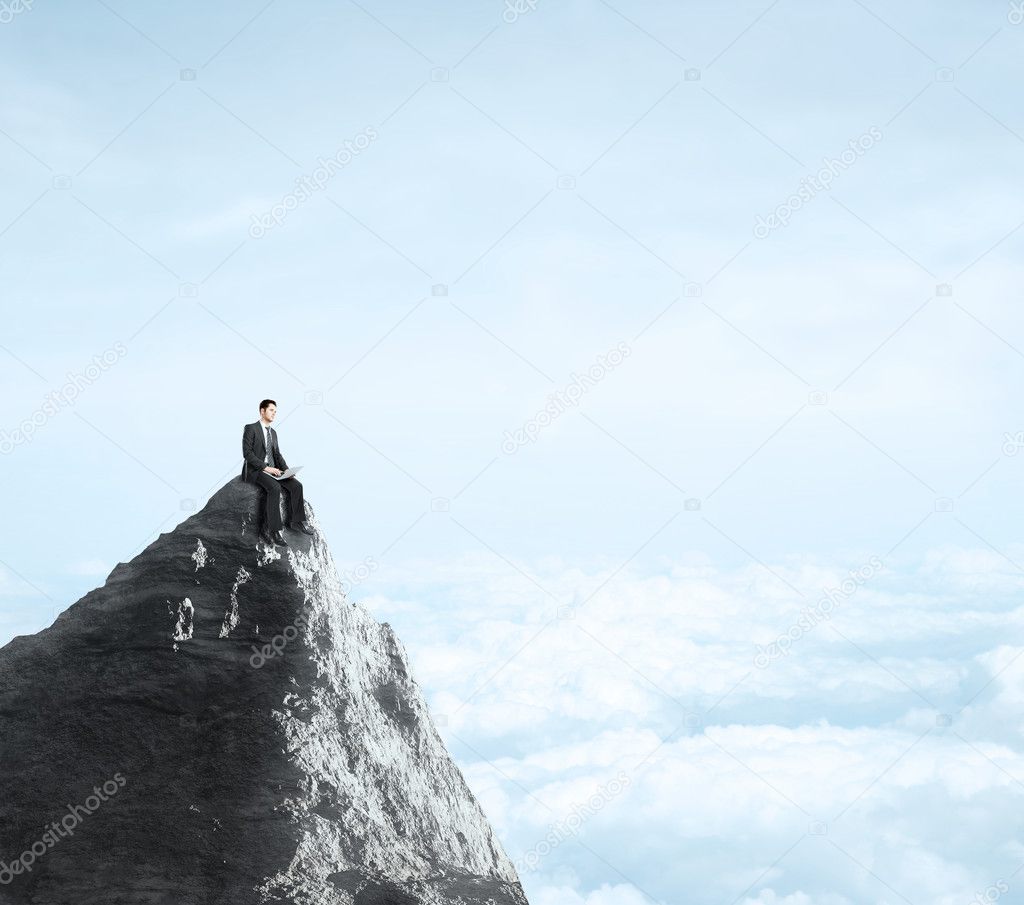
(301, 526)
(278, 538)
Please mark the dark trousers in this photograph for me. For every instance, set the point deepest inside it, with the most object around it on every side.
(272, 501)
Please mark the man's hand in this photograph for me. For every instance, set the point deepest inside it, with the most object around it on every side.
(276, 472)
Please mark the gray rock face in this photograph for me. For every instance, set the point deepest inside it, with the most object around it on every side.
(218, 725)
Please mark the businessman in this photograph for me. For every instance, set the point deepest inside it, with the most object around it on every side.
(262, 459)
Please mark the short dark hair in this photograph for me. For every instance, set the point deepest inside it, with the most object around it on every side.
(267, 402)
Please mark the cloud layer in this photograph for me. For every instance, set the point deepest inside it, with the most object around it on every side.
(630, 747)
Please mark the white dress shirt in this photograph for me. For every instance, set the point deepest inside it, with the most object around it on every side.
(266, 443)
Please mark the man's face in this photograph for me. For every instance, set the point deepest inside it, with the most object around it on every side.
(269, 412)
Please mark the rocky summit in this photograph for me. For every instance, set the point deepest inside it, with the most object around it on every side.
(219, 725)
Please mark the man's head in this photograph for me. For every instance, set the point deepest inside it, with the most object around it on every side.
(268, 409)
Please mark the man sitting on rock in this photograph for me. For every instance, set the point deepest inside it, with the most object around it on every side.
(262, 460)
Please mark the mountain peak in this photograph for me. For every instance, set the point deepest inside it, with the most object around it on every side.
(261, 738)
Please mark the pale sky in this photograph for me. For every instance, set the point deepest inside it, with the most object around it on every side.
(532, 188)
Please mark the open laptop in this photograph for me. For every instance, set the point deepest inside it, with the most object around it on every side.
(291, 472)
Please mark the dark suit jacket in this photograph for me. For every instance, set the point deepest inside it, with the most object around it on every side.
(254, 451)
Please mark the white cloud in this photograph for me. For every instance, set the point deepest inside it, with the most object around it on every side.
(770, 897)
(845, 748)
(620, 894)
